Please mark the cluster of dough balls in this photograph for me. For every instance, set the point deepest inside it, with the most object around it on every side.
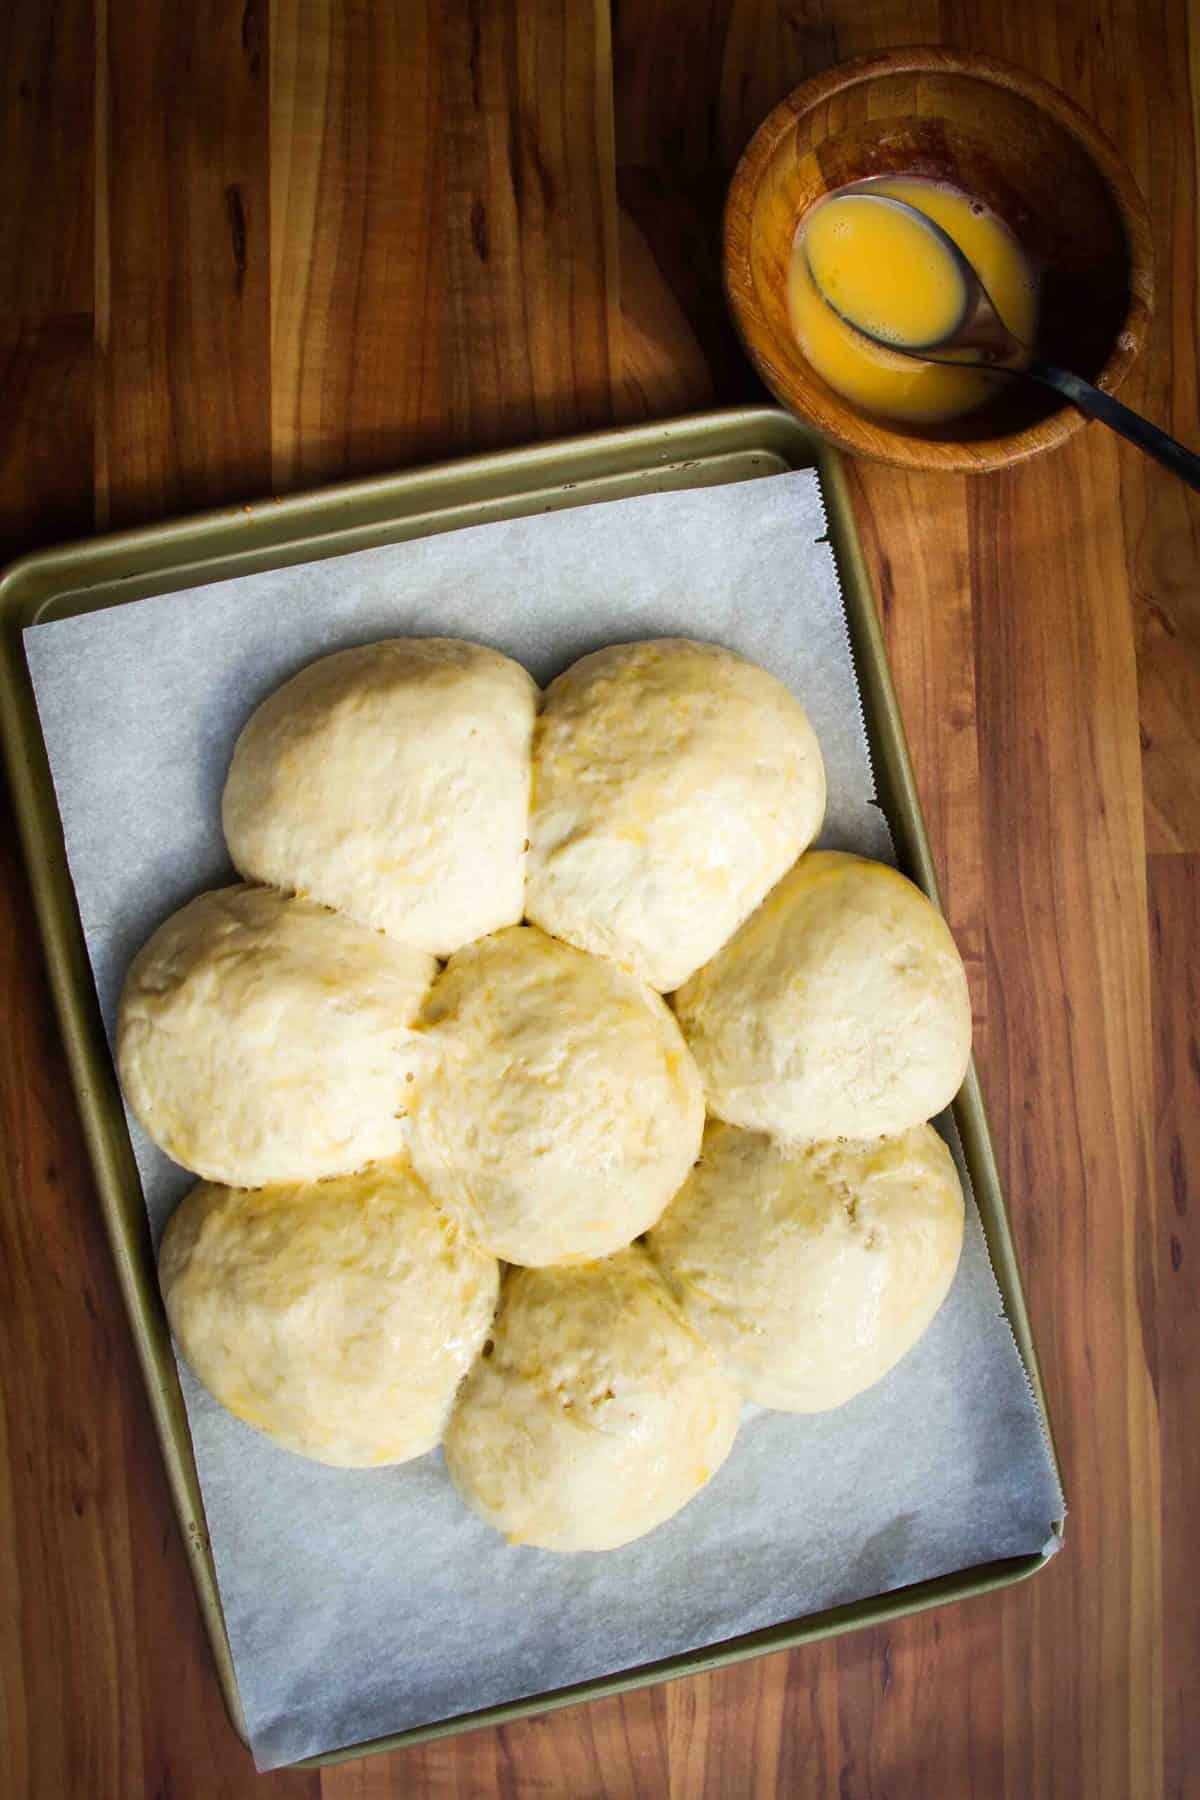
(427, 1038)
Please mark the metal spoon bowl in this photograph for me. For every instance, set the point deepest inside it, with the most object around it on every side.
(981, 337)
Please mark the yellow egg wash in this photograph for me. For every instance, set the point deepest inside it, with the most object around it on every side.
(883, 271)
(890, 275)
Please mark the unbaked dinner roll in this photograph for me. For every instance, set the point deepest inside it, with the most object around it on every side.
(562, 1110)
(840, 1009)
(673, 785)
(392, 781)
(339, 1318)
(812, 1268)
(598, 1412)
(265, 1039)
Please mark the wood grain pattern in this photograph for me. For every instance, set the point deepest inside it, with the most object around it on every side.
(1174, 883)
(357, 264)
(245, 248)
(1070, 1090)
(443, 230)
(46, 322)
(183, 273)
(45, 124)
(1162, 518)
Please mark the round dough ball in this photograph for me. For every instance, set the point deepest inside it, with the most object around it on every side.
(563, 1110)
(812, 1269)
(840, 1009)
(264, 1039)
(337, 1318)
(392, 781)
(673, 785)
(597, 1414)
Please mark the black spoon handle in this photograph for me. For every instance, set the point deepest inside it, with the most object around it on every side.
(1131, 425)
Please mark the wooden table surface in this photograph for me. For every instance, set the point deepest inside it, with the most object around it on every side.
(244, 250)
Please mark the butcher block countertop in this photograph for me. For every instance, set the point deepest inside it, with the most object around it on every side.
(245, 249)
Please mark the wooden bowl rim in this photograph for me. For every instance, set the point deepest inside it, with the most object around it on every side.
(837, 420)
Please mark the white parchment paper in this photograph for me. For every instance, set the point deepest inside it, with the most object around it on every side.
(359, 1603)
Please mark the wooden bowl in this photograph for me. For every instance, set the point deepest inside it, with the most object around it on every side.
(1007, 139)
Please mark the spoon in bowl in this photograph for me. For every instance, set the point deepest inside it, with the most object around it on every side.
(963, 326)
